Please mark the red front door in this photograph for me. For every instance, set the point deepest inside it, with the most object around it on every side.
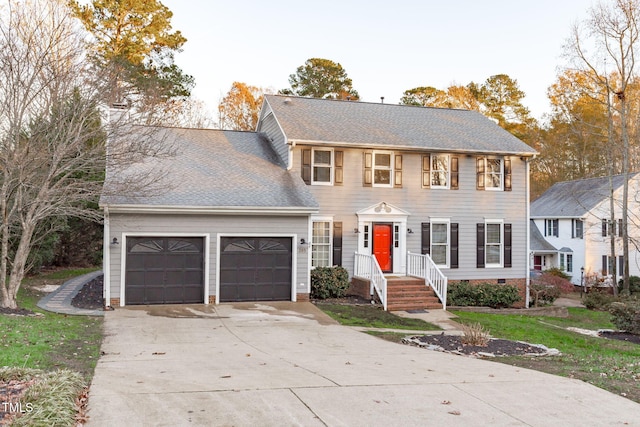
(382, 246)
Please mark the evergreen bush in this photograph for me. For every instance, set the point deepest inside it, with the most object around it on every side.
(329, 282)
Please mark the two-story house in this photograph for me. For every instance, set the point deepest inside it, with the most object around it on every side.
(574, 219)
(247, 215)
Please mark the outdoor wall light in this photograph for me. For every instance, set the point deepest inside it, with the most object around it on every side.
(303, 242)
(115, 241)
(409, 231)
(356, 230)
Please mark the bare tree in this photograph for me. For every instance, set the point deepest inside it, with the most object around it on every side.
(611, 34)
(52, 137)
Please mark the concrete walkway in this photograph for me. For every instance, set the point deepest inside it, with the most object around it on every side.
(59, 301)
(288, 364)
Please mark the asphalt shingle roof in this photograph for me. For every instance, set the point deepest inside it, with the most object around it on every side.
(214, 168)
(399, 126)
(537, 242)
(574, 199)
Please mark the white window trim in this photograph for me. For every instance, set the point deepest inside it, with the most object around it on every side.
(448, 171)
(328, 219)
(446, 221)
(390, 169)
(331, 166)
(487, 174)
(486, 235)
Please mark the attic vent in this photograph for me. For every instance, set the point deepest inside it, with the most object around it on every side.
(287, 100)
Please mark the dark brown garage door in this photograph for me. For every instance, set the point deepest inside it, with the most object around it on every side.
(164, 270)
(255, 269)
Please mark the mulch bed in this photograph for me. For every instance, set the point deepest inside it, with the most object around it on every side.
(621, 336)
(495, 347)
(90, 296)
(17, 311)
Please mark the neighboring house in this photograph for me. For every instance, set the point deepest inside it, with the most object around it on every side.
(247, 215)
(573, 222)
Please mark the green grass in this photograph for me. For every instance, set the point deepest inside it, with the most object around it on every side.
(609, 364)
(372, 317)
(50, 341)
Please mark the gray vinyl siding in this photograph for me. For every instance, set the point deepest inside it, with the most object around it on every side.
(269, 126)
(465, 206)
(167, 225)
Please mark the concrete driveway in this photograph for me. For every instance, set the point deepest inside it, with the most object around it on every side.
(287, 364)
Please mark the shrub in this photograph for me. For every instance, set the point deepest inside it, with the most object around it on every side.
(483, 295)
(598, 300)
(634, 285)
(555, 271)
(475, 334)
(329, 282)
(626, 315)
(548, 287)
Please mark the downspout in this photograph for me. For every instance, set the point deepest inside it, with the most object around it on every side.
(528, 231)
(106, 261)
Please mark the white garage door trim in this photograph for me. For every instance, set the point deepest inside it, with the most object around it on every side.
(294, 257)
(123, 257)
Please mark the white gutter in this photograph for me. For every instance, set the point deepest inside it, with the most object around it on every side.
(234, 210)
(106, 260)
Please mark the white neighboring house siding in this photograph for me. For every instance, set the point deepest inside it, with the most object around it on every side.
(209, 226)
(565, 240)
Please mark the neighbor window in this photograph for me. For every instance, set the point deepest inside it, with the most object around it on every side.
(551, 227)
(322, 163)
(569, 263)
(439, 242)
(577, 228)
(493, 245)
(382, 168)
(321, 244)
(562, 264)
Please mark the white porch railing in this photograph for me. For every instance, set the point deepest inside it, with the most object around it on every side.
(422, 266)
(367, 267)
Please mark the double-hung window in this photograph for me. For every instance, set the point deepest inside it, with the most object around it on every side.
(322, 166)
(493, 244)
(577, 228)
(382, 168)
(551, 227)
(440, 242)
(321, 244)
(439, 171)
(493, 173)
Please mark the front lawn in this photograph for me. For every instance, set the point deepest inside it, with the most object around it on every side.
(609, 364)
(372, 317)
(54, 354)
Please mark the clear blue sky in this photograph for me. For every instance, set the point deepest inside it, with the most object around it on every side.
(386, 47)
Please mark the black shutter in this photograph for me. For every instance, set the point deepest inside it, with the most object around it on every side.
(397, 178)
(605, 265)
(454, 246)
(367, 178)
(604, 228)
(480, 173)
(337, 243)
(338, 165)
(426, 171)
(454, 173)
(480, 245)
(507, 245)
(306, 166)
(426, 238)
(507, 174)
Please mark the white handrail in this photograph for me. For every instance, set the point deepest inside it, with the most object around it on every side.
(367, 267)
(423, 267)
